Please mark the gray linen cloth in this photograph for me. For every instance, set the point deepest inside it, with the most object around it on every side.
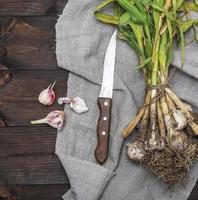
(81, 45)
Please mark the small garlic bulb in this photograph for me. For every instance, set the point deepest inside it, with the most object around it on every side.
(135, 151)
(47, 96)
(178, 140)
(181, 121)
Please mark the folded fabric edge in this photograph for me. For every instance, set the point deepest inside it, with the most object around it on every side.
(69, 195)
(93, 177)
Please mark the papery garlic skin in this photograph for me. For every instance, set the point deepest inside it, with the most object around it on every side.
(135, 151)
(154, 142)
(78, 105)
(180, 120)
(55, 119)
(189, 107)
(178, 140)
(47, 96)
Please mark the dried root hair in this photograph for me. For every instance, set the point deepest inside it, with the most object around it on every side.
(173, 166)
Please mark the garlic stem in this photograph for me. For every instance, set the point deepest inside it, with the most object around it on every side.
(153, 109)
(193, 126)
(53, 85)
(170, 103)
(145, 118)
(39, 121)
(130, 127)
(178, 102)
(165, 111)
(161, 123)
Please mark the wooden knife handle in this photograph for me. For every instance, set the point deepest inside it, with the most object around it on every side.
(103, 130)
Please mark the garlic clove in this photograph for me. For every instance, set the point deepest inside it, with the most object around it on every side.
(56, 119)
(181, 121)
(64, 100)
(78, 105)
(47, 96)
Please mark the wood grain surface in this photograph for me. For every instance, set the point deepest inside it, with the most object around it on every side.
(31, 7)
(34, 192)
(29, 43)
(29, 168)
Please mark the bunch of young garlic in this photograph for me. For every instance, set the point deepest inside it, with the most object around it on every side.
(167, 142)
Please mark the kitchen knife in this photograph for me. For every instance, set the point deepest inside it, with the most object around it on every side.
(105, 102)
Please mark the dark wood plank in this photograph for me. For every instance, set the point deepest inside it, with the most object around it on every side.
(28, 170)
(43, 192)
(28, 84)
(30, 43)
(5, 75)
(32, 192)
(31, 7)
(24, 141)
(19, 97)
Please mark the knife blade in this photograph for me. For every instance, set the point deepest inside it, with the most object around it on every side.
(105, 102)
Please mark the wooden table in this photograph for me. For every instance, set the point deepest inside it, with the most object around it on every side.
(29, 169)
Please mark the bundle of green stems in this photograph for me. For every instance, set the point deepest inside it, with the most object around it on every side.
(166, 142)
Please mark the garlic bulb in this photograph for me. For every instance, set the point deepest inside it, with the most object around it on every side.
(135, 151)
(55, 119)
(178, 140)
(180, 120)
(47, 96)
(77, 104)
(154, 140)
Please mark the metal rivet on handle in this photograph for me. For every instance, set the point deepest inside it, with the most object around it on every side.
(106, 103)
(104, 118)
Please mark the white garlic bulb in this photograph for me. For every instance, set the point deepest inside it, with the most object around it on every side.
(180, 120)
